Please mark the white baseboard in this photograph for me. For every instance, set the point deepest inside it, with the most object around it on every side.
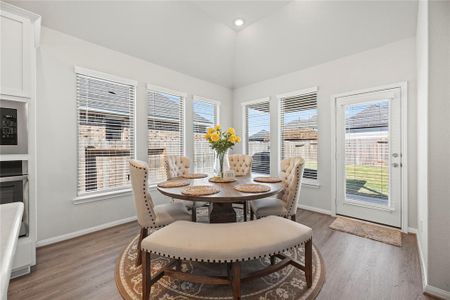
(81, 232)
(423, 267)
(437, 292)
(315, 209)
(412, 230)
(429, 289)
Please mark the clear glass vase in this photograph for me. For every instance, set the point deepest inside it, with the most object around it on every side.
(221, 163)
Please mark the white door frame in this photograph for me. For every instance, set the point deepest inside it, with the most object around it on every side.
(403, 86)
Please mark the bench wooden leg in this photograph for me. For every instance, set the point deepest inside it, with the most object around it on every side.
(245, 211)
(252, 214)
(177, 265)
(272, 260)
(308, 263)
(142, 235)
(146, 275)
(236, 280)
(194, 212)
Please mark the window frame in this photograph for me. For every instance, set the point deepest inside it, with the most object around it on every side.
(113, 192)
(208, 100)
(155, 88)
(279, 97)
(244, 127)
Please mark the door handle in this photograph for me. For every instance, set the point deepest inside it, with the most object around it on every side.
(395, 165)
(394, 154)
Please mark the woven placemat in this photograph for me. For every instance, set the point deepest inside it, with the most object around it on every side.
(267, 179)
(173, 183)
(252, 188)
(222, 180)
(200, 190)
(194, 175)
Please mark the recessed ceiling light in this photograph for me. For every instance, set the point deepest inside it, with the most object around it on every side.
(239, 22)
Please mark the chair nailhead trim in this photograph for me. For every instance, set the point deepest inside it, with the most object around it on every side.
(144, 188)
(229, 261)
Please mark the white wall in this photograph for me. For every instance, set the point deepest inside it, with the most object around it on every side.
(439, 146)
(303, 34)
(391, 63)
(57, 134)
(433, 145)
(422, 131)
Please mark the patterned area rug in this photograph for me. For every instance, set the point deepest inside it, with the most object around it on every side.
(368, 230)
(288, 283)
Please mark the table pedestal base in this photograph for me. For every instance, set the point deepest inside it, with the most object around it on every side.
(222, 213)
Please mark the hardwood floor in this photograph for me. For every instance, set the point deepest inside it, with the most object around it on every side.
(356, 268)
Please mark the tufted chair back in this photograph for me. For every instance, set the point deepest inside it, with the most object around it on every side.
(142, 200)
(176, 166)
(241, 164)
(291, 174)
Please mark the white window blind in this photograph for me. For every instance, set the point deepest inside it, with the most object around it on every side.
(165, 131)
(204, 116)
(367, 151)
(257, 135)
(105, 133)
(299, 131)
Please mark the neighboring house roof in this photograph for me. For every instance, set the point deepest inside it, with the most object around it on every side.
(161, 106)
(294, 130)
(373, 116)
(261, 136)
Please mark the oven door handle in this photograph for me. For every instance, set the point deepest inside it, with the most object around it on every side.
(13, 178)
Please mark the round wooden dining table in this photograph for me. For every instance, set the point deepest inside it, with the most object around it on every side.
(221, 209)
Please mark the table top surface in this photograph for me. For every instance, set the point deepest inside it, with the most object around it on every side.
(226, 193)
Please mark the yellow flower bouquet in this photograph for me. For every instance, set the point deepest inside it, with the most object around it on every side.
(221, 141)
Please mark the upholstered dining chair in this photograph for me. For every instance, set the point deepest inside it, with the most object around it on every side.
(177, 166)
(241, 164)
(285, 204)
(151, 216)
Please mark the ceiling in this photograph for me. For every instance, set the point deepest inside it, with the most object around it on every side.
(227, 12)
(199, 38)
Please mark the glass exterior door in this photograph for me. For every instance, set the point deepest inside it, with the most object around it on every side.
(368, 157)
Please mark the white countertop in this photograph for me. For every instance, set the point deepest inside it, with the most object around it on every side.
(10, 221)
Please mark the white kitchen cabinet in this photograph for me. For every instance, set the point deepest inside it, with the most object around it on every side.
(18, 41)
(19, 38)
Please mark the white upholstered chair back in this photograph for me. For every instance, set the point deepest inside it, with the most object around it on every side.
(241, 164)
(291, 175)
(176, 166)
(142, 200)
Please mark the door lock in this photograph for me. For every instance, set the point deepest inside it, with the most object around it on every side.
(395, 165)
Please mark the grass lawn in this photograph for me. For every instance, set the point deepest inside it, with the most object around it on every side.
(367, 180)
(371, 181)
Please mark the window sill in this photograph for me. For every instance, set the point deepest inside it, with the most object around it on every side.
(153, 187)
(101, 196)
(311, 184)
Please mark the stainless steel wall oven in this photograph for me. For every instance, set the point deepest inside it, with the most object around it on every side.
(14, 188)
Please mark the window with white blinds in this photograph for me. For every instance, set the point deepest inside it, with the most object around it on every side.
(105, 111)
(165, 130)
(205, 115)
(257, 135)
(299, 130)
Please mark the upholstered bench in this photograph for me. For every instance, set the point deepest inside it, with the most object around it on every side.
(230, 243)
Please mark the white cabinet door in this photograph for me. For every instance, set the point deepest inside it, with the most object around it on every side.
(15, 55)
